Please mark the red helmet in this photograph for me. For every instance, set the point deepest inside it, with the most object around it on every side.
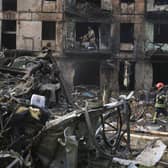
(159, 85)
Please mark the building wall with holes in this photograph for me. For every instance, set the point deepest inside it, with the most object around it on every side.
(29, 17)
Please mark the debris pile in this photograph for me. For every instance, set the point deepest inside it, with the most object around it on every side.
(22, 113)
(41, 127)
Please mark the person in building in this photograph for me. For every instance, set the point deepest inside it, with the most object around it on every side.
(90, 37)
(160, 101)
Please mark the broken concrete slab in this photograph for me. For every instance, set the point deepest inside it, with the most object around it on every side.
(150, 156)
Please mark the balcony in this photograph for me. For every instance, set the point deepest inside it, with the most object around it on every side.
(87, 38)
(156, 47)
(75, 48)
(157, 39)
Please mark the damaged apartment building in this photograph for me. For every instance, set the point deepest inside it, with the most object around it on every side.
(129, 50)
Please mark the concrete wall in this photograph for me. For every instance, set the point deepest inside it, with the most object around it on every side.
(143, 75)
(59, 36)
(0, 25)
(139, 36)
(67, 67)
(39, 6)
(109, 83)
(140, 6)
(115, 33)
(29, 35)
(29, 15)
(29, 5)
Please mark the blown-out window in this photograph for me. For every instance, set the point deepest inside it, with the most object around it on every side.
(9, 5)
(9, 34)
(48, 30)
(160, 33)
(126, 33)
(161, 2)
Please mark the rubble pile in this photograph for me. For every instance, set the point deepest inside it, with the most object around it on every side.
(33, 131)
(21, 120)
(91, 94)
(41, 127)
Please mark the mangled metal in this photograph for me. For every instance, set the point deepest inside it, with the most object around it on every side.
(83, 130)
(148, 157)
(58, 142)
(34, 132)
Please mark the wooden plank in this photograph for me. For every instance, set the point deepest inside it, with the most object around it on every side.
(153, 132)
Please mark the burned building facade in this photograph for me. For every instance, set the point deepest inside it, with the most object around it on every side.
(118, 45)
(30, 25)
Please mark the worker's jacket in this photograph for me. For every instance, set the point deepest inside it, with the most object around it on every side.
(160, 101)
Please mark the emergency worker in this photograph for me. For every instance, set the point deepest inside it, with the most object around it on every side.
(160, 101)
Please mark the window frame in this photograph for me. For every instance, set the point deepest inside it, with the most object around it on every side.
(45, 30)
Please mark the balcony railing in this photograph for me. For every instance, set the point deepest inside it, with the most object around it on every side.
(159, 47)
(76, 48)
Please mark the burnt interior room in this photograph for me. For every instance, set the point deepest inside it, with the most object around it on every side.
(48, 30)
(161, 2)
(9, 5)
(82, 29)
(9, 34)
(130, 75)
(160, 33)
(87, 73)
(88, 3)
(160, 71)
(126, 33)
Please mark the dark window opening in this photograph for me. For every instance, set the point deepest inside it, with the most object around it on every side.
(87, 73)
(126, 33)
(9, 5)
(8, 25)
(82, 30)
(9, 34)
(160, 33)
(9, 41)
(48, 30)
(127, 1)
(160, 71)
(126, 76)
(82, 4)
(161, 2)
